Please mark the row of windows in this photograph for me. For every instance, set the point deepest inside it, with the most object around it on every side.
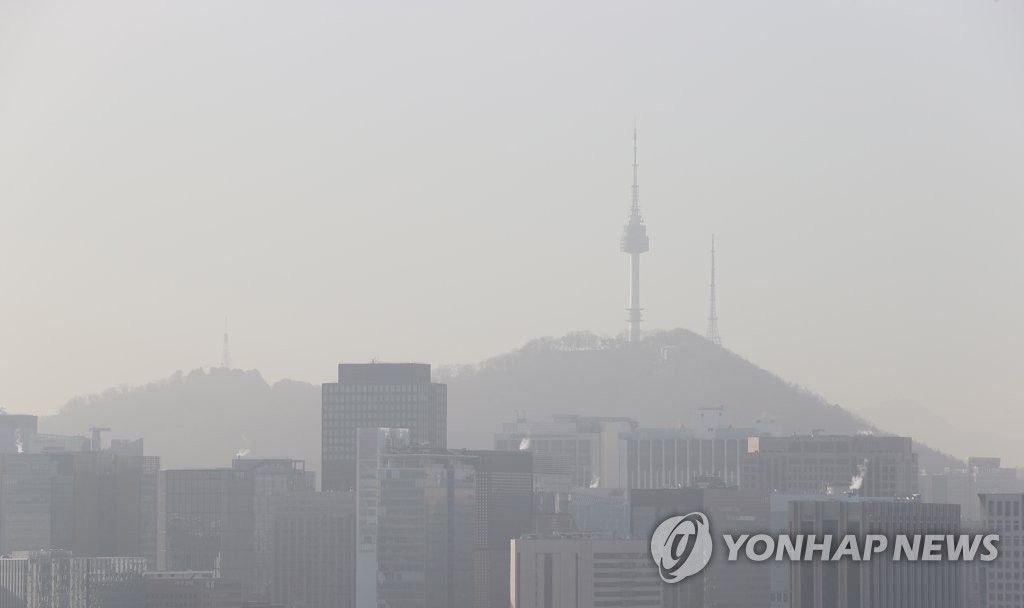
(1003, 508)
(378, 388)
(372, 398)
(378, 410)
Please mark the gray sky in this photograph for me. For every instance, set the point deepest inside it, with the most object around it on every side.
(374, 179)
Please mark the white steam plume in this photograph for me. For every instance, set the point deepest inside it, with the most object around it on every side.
(858, 478)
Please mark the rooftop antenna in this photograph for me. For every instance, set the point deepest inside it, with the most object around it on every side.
(712, 334)
(225, 357)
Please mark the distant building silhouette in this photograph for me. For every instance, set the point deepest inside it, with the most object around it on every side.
(963, 485)
(677, 458)
(812, 464)
(709, 451)
(372, 395)
(46, 443)
(585, 447)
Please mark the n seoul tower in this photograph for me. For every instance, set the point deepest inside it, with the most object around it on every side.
(634, 242)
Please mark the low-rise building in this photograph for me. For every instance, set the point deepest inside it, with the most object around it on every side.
(583, 570)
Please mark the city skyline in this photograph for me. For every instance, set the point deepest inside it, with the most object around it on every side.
(342, 305)
(418, 524)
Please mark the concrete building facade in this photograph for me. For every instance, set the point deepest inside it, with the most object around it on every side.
(674, 458)
(189, 589)
(1002, 580)
(504, 499)
(583, 570)
(211, 524)
(588, 448)
(878, 583)
(963, 485)
(48, 579)
(417, 520)
(811, 464)
(313, 546)
(730, 511)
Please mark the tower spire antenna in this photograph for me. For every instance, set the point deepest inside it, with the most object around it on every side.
(635, 208)
(634, 241)
(225, 357)
(712, 333)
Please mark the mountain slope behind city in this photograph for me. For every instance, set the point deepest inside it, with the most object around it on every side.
(204, 418)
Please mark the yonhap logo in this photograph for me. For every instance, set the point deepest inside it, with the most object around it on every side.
(681, 546)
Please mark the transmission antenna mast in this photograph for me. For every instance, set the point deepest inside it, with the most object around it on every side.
(634, 242)
(225, 357)
(712, 334)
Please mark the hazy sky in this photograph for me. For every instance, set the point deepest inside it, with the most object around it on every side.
(383, 179)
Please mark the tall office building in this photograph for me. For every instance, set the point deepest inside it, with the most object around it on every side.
(270, 479)
(211, 524)
(26, 501)
(811, 464)
(974, 574)
(97, 503)
(154, 514)
(417, 524)
(373, 444)
(152, 501)
(314, 549)
(427, 531)
(504, 499)
(583, 570)
(1002, 580)
(94, 504)
(221, 519)
(730, 511)
(378, 395)
(876, 583)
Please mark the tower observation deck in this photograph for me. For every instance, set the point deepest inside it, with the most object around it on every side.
(634, 242)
